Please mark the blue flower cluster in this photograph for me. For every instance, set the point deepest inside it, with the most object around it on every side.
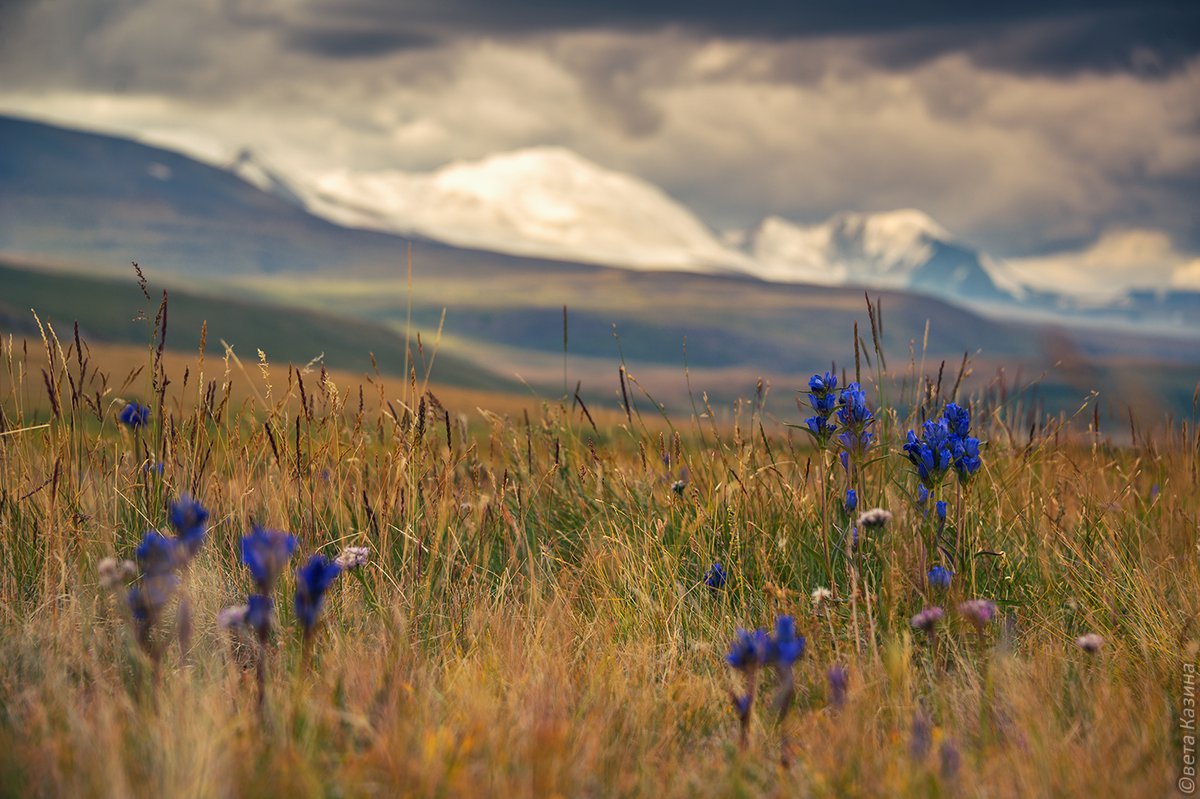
(759, 648)
(715, 578)
(312, 581)
(160, 559)
(944, 443)
(134, 415)
(822, 398)
(850, 410)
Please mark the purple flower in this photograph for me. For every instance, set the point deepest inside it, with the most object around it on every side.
(260, 614)
(978, 611)
(1090, 643)
(715, 578)
(928, 619)
(939, 577)
(157, 554)
(265, 553)
(189, 518)
(786, 647)
(874, 518)
(839, 680)
(134, 415)
(851, 501)
(749, 649)
(312, 581)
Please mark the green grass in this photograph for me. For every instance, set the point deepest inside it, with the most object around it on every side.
(533, 621)
(115, 311)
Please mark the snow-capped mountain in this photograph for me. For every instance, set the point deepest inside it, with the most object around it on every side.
(903, 249)
(546, 201)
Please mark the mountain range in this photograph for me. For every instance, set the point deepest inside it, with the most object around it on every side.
(501, 245)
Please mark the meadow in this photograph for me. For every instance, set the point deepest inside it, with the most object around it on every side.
(541, 613)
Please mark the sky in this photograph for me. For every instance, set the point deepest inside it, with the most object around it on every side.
(1063, 135)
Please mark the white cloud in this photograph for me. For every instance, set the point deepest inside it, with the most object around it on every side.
(1117, 261)
(737, 129)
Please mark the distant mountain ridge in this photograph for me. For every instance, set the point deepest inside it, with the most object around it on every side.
(84, 197)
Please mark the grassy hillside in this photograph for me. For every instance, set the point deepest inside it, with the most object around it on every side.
(116, 311)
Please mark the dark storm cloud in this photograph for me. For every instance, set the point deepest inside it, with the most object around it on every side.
(343, 42)
(1052, 37)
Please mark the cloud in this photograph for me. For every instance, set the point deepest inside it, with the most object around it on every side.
(1118, 260)
(938, 106)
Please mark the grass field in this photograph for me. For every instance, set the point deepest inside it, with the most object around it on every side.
(534, 620)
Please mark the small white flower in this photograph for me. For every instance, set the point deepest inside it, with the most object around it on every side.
(875, 517)
(115, 573)
(353, 557)
(232, 618)
(821, 595)
(1090, 643)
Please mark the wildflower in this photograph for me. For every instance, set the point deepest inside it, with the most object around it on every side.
(156, 554)
(189, 518)
(855, 416)
(939, 577)
(851, 501)
(838, 679)
(786, 647)
(147, 600)
(978, 611)
(920, 736)
(941, 513)
(134, 415)
(949, 760)
(741, 704)
(748, 650)
(822, 385)
(715, 578)
(932, 452)
(232, 618)
(114, 573)
(820, 596)
(1090, 643)
(352, 558)
(260, 614)
(823, 401)
(678, 486)
(958, 419)
(312, 581)
(927, 619)
(874, 518)
(923, 498)
(265, 553)
(966, 458)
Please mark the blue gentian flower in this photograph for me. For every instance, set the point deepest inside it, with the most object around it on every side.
(260, 614)
(786, 647)
(855, 418)
(748, 650)
(958, 419)
(820, 427)
(716, 577)
(939, 577)
(189, 518)
(853, 411)
(941, 512)
(265, 553)
(851, 501)
(820, 385)
(134, 415)
(966, 458)
(156, 554)
(312, 581)
(147, 599)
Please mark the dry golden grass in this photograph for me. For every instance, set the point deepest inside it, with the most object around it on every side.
(533, 620)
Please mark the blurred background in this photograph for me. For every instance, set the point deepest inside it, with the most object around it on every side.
(704, 185)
